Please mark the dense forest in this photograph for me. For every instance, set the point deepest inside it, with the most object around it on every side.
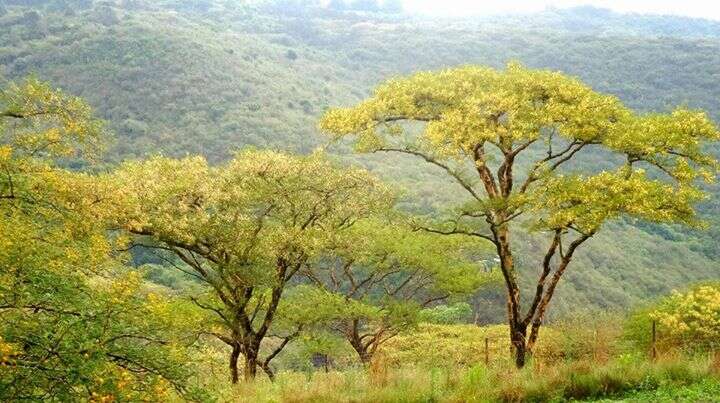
(153, 150)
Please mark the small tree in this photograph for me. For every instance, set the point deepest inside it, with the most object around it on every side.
(245, 229)
(381, 274)
(509, 139)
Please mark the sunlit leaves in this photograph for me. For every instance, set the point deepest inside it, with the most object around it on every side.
(245, 229)
(70, 325)
(253, 209)
(374, 280)
(673, 143)
(314, 305)
(445, 262)
(511, 139)
(467, 109)
(471, 105)
(690, 318)
(588, 201)
(40, 121)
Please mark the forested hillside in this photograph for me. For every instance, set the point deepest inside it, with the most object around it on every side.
(212, 76)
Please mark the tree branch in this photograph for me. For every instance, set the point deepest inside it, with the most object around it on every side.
(435, 162)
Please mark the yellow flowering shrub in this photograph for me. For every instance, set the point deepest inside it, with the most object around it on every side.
(691, 318)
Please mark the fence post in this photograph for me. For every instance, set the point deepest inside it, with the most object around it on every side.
(487, 352)
(653, 351)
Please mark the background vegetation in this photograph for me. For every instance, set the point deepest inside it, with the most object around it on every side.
(210, 77)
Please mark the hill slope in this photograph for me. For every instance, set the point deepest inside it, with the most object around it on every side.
(211, 76)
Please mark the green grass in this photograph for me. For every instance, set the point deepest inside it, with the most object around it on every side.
(445, 363)
(707, 390)
(627, 378)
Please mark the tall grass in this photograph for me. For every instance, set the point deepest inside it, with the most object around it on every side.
(584, 357)
(568, 380)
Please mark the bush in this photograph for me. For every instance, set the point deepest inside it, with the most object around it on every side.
(687, 320)
(448, 314)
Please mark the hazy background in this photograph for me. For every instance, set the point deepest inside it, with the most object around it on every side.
(689, 8)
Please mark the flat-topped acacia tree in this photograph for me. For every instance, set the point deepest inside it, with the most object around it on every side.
(510, 139)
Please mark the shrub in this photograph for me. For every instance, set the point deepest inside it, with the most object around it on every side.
(688, 320)
(692, 316)
(448, 345)
(448, 314)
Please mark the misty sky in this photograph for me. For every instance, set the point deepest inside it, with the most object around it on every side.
(691, 8)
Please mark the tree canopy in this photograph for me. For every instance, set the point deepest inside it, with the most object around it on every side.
(73, 322)
(377, 278)
(221, 73)
(509, 138)
(245, 229)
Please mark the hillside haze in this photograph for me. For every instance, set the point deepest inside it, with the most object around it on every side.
(213, 76)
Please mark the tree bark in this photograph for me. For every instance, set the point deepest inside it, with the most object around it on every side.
(518, 330)
(519, 344)
(353, 337)
(234, 355)
(537, 313)
(365, 356)
(251, 363)
(268, 371)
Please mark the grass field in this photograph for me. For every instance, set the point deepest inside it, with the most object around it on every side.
(682, 381)
(449, 366)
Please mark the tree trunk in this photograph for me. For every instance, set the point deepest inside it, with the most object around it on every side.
(353, 337)
(519, 344)
(365, 356)
(363, 353)
(251, 364)
(234, 355)
(518, 330)
(268, 371)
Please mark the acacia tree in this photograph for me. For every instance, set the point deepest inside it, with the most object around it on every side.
(510, 139)
(379, 275)
(71, 327)
(245, 229)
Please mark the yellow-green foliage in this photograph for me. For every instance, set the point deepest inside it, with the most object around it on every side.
(75, 323)
(462, 111)
(47, 122)
(462, 345)
(589, 335)
(690, 318)
(530, 126)
(447, 345)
